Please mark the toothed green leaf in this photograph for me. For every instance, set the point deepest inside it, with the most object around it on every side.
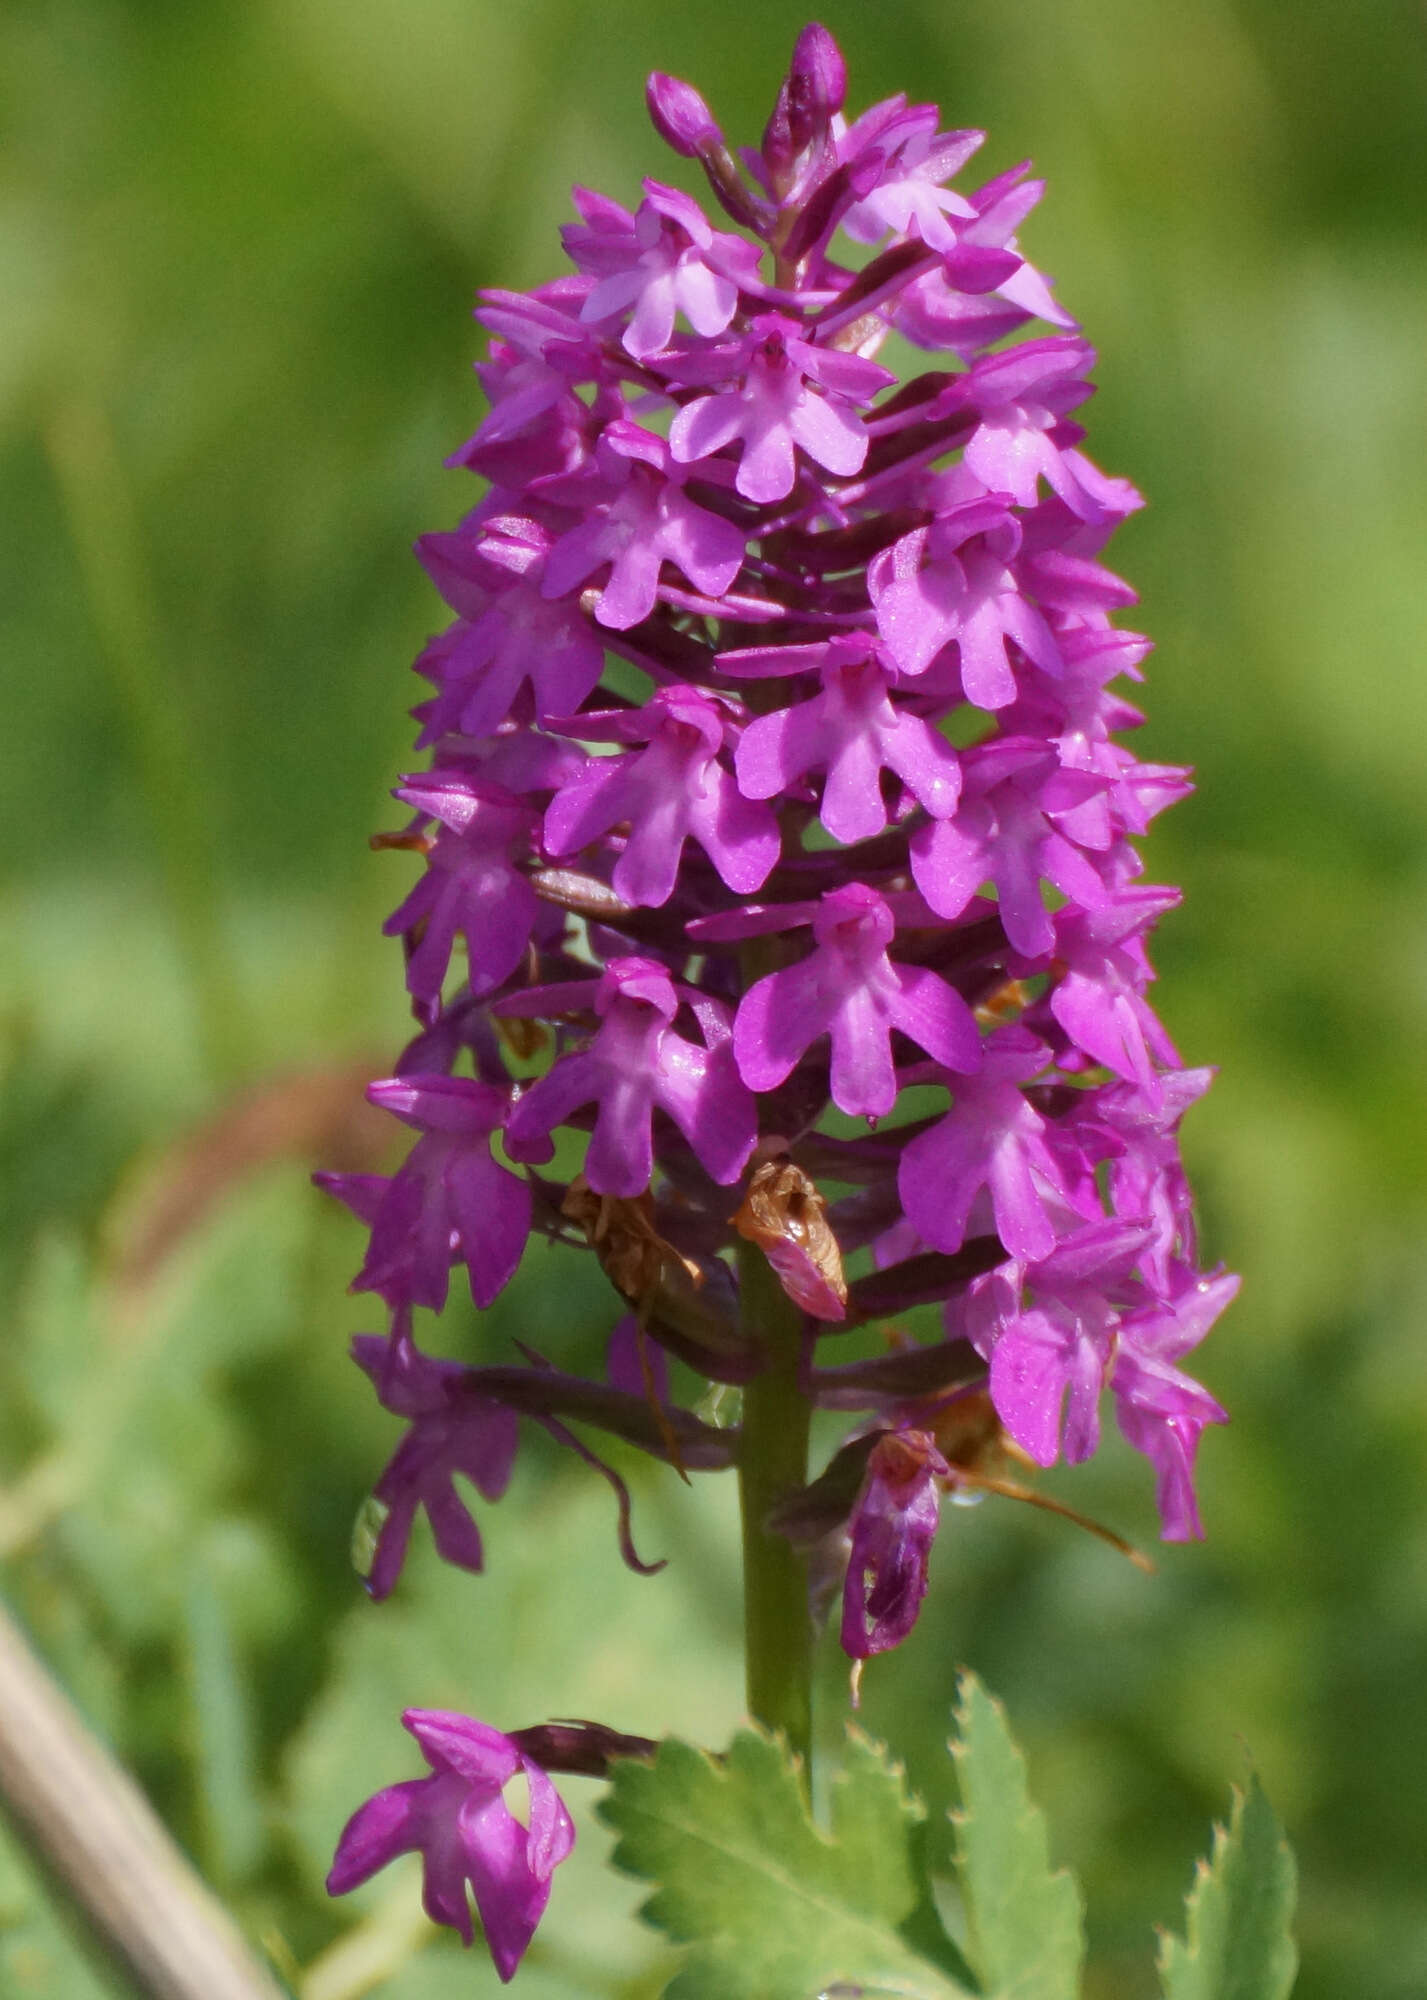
(1239, 1939)
(1023, 1917)
(771, 1907)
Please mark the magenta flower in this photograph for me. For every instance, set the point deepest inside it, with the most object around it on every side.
(851, 990)
(1099, 998)
(1052, 1356)
(637, 517)
(635, 1064)
(1021, 399)
(851, 731)
(941, 311)
(909, 197)
(1077, 714)
(1162, 1411)
(663, 261)
(893, 1527)
(450, 1431)
(458, 1821)
(1023, 819)
(787, 393)
(675, 788)
(473, 886)
(541, 357)
(510, 633)
(450, 1202)
(740, 616)
(957, 581)
(1146, 1174)
(991, 1139)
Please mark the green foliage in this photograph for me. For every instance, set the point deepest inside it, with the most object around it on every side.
(772, 1908)
(1024, 1920)
(1239, 1944)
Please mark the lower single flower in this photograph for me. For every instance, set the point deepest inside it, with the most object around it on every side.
(461, 1824)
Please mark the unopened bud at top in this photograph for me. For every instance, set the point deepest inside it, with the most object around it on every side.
(684, 121)
(680, 116)
(817, 77)
(811, 92)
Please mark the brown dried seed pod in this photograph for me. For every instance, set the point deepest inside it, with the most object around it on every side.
(633, 1255)
(786, 1216)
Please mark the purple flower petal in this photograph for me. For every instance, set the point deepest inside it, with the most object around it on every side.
(850, 989)
(893, 1525)
(466, 1833)
(638, 1061)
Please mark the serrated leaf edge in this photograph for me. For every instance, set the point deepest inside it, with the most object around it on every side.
(1221, 1837)
(790, 1764)
(894, 1767)
(957, 1745)
(968, 1684)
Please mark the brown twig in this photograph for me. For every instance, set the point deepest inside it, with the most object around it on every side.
(81, 1814)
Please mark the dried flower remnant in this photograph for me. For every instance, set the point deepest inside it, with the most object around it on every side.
(633, 1255)
(784, 1214)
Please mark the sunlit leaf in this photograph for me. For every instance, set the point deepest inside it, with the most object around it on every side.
(1024, 1919)
(1239, 1940)
(771, 1907)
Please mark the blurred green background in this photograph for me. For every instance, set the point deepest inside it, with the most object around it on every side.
(238, 247)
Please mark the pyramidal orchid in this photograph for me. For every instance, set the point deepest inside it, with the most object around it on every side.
(776, 770)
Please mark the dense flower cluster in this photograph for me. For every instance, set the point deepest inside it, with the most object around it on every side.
(775, 773)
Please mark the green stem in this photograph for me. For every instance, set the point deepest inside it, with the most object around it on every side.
(773, 1463)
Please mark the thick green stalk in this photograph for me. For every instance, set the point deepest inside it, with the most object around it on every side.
(773, 1462)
